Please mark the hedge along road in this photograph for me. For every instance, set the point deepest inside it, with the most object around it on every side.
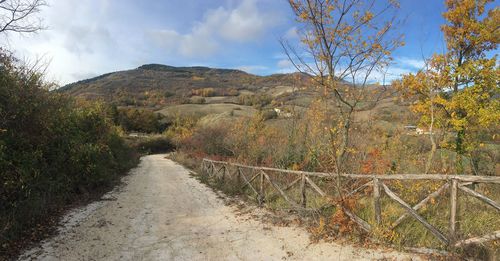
(162, 213)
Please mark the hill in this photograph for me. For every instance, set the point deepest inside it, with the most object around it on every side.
(155, 85)
(203, 91)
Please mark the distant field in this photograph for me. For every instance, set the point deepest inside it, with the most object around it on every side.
(386, 110)
(279, 90)
(246, 92)
(200, 110)
(220, 99)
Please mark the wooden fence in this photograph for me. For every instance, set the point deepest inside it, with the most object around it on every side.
(221, 171)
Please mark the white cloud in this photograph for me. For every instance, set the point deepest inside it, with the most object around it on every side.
(285, 66)
(284, 63)
(402, 66)
(78, 43)
(292, 33)
(410, 62)
(245, 23)
(84, 40)
(394, 72)
(196, 44)
(255, 69)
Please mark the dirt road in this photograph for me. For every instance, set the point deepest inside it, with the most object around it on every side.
(161, 213)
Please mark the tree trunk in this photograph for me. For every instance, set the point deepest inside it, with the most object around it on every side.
(459, 149)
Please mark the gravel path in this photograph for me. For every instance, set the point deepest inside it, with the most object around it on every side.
(161, 213)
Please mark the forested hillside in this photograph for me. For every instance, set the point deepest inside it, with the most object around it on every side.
(154, 85)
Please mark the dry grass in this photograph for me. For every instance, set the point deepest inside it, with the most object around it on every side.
(200, 110)
(475, 218)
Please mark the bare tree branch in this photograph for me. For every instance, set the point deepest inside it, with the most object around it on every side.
(20, 16)
(344, 40)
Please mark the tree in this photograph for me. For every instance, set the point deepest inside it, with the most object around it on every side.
(18, 16)
(462, 83)
(343, 43)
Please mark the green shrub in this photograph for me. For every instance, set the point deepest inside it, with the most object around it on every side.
(197, 100)
(139, 120)
(168, 94)
(259, 100)
(269, 114)
(155, 144)
(53, 149)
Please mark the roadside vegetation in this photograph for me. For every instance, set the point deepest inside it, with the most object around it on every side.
(138, 120)
(54, 151)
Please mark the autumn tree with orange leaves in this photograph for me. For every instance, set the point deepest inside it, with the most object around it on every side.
(343, 44)
(458, 90)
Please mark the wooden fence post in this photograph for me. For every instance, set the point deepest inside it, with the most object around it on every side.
(238, 177)
(453, 209)
(261, 188)
(376, 200)
(303, 199)
(212, 172)
(212, 169)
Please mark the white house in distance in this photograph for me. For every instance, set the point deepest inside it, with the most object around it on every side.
(282, 113)
(412, 129)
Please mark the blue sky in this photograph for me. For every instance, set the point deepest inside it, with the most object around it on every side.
(86, 38)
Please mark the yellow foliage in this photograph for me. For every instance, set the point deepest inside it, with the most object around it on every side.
(458, 91)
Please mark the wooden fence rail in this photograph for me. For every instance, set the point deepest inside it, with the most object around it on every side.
(220, 170)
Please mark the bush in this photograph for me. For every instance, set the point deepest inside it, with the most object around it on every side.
(155, 144)
(168, 94)
(255, 100)
(139, 120)
(197, 100)
(269, 114)
(204, 92)
(53, 150)
(208, 140)
(231, 92)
